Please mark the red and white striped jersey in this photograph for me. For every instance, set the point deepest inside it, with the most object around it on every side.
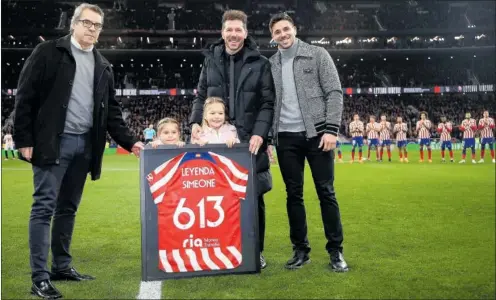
(385, 133)
(445, 130)
(486, 126)
(356, 128)
(423, 129)
(469, 127)
(373, 130)
(199, 218)
(400, 129)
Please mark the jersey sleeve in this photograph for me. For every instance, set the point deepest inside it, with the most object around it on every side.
(159, 179)
(235, 174)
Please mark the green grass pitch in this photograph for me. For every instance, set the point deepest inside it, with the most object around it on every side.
(411, 231)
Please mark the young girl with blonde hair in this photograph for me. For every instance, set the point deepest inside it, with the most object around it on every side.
(216, 129)
(168, 133)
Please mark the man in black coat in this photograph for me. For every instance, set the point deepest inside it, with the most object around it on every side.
(64, 106)
(235, 71)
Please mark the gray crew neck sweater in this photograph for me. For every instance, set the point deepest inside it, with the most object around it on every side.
(291, 119)
(79, 117)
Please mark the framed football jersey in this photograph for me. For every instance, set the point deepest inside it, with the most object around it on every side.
(198, 211)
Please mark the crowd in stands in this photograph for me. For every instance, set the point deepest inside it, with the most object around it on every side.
(162, 71)
(140, 112)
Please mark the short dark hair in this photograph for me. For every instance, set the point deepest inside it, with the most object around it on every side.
(279, 17)
(232, 15)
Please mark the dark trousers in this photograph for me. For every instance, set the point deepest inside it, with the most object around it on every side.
(292, 150)
(57, 193)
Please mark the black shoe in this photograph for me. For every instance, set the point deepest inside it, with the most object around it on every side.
(45, 289)
(337, 262)
(263, 263)
(299, 259)
(70, 274)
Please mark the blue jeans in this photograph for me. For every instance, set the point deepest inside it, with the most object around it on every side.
(57, 193)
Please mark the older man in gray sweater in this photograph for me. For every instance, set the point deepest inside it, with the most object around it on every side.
(309, 105)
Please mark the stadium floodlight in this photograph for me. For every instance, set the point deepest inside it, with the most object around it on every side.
(392, 40)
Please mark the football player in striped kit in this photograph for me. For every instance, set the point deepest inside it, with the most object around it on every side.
(445, 128)
(356, 130)
(469, 127)
(486, 127)
(424, 135)
(400, 129)
(372, 130)
(385, 137)
(338, 148)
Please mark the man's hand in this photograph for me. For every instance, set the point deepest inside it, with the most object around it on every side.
(27, 153)
(328, 142)
(255, 144)
(196, 131)
(270, 152)
(137, 148)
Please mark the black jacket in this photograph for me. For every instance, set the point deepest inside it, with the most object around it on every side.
(254, 101)
(43, 93)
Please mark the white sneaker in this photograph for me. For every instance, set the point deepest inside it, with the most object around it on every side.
(481, 161)
(462, 161)
(494, 161)
(473, 161)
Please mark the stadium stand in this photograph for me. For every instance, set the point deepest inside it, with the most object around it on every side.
(154, 45)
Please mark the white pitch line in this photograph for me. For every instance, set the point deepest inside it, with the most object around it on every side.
(150, 290)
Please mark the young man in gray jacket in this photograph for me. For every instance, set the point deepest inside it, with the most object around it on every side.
(309, 105)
